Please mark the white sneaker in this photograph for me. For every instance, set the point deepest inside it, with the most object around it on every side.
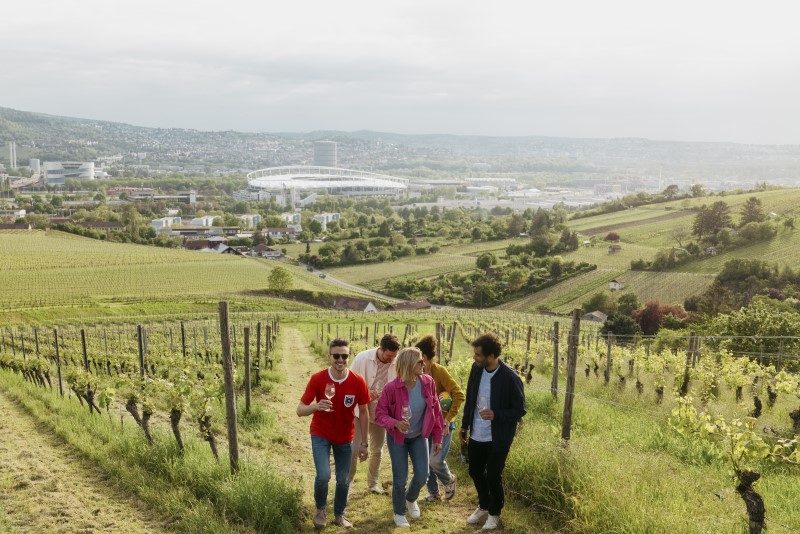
(401, 522)
(477, 515)
(492, 522)
(413, 509)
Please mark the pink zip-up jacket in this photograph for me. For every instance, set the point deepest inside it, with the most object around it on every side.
(395, 396)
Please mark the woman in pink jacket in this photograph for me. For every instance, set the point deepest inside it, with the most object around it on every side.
(409, 410)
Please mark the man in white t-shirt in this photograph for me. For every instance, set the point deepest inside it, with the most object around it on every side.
(377, 366)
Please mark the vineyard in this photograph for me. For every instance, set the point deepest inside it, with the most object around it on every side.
(42, 271)
(662, 433)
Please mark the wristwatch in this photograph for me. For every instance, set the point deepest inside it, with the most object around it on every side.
(364, 444)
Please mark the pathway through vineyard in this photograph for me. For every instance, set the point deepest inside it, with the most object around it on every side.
(369, 513)
(45, 487)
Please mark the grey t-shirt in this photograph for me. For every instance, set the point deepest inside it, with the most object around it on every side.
(417, 405)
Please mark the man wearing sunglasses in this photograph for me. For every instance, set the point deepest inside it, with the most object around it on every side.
(332, 395)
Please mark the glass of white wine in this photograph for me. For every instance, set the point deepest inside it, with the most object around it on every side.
(405, 414)
(330, 391)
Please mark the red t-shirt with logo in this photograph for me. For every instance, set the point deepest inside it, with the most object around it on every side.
(336, 426)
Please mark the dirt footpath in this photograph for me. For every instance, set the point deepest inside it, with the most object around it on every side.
(46, 488)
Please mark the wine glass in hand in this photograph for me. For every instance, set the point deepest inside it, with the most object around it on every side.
(405, 414)
(330, 391)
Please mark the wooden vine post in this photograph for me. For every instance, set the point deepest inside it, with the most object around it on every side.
(58, 363)
(83, 350)
(607, 372)
(572, 360)
(554, 381)
(246, 369)
(689, 358)
(230, 392)
(140, 341)
(183, 340)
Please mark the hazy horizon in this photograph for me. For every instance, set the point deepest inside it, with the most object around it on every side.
(709, 72)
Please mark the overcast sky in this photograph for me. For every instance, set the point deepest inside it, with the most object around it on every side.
(695, 71)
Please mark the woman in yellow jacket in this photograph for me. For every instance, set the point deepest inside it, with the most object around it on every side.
(450, 406)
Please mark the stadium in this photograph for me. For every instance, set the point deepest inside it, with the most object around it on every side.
(327, 180)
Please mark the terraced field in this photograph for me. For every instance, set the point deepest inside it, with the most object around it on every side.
(784, 250)
(663, 287)
(572, 290)
(599, 255)
(376, 274)
(56, 269)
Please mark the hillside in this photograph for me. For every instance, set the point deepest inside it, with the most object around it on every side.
(537, 159)
(54, 274)
(645, 230)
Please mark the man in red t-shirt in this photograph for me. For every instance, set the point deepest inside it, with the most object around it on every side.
(332, 396)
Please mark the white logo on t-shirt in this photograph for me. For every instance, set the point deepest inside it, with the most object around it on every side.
(349, 400)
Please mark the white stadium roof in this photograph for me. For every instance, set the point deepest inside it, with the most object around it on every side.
(307, 177)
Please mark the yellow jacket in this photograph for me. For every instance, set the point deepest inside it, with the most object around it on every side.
(445, 382)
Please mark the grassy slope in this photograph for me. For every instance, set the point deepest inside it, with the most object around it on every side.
(449, 259)
(645, 230)
(47, 275)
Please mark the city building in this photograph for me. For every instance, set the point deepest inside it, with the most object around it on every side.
(159, 225)
(325, 154)
(325, 218)
(292, 218)
(208, 220)
(35, 165)
(57, 172)
(251, 220)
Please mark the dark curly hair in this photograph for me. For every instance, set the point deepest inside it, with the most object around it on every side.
(489, 344)
(427, 346)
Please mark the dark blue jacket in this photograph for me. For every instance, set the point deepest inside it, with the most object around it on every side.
(507, 402)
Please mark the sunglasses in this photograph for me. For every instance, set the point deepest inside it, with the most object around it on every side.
(421, 362)
(340, 356)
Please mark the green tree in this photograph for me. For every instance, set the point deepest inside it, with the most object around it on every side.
(671, 191)
(280, 279)
(697, 190)
(486, 260)
(600, 301)
(627, 303)
(620, 324)
(752, 211)
(314, 226)
(711, 219)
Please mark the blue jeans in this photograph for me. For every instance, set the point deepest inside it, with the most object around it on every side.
(321, 450)
(417, 449)
(438, 463)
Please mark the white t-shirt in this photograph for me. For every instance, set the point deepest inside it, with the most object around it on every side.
(482, 428)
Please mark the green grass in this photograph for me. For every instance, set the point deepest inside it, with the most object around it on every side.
(199, 493)
(626, 471)
(378, 273)
(561, 295)
(783, 249)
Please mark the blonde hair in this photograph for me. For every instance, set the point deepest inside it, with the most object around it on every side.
(406, 359)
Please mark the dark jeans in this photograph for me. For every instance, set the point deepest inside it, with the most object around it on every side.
(417, 449)
(486, 469)
(321, 449)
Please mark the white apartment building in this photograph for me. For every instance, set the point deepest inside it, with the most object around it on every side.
(159, 225)
(291, 217)
(325, 218)
(208, 220)
(251, 220)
